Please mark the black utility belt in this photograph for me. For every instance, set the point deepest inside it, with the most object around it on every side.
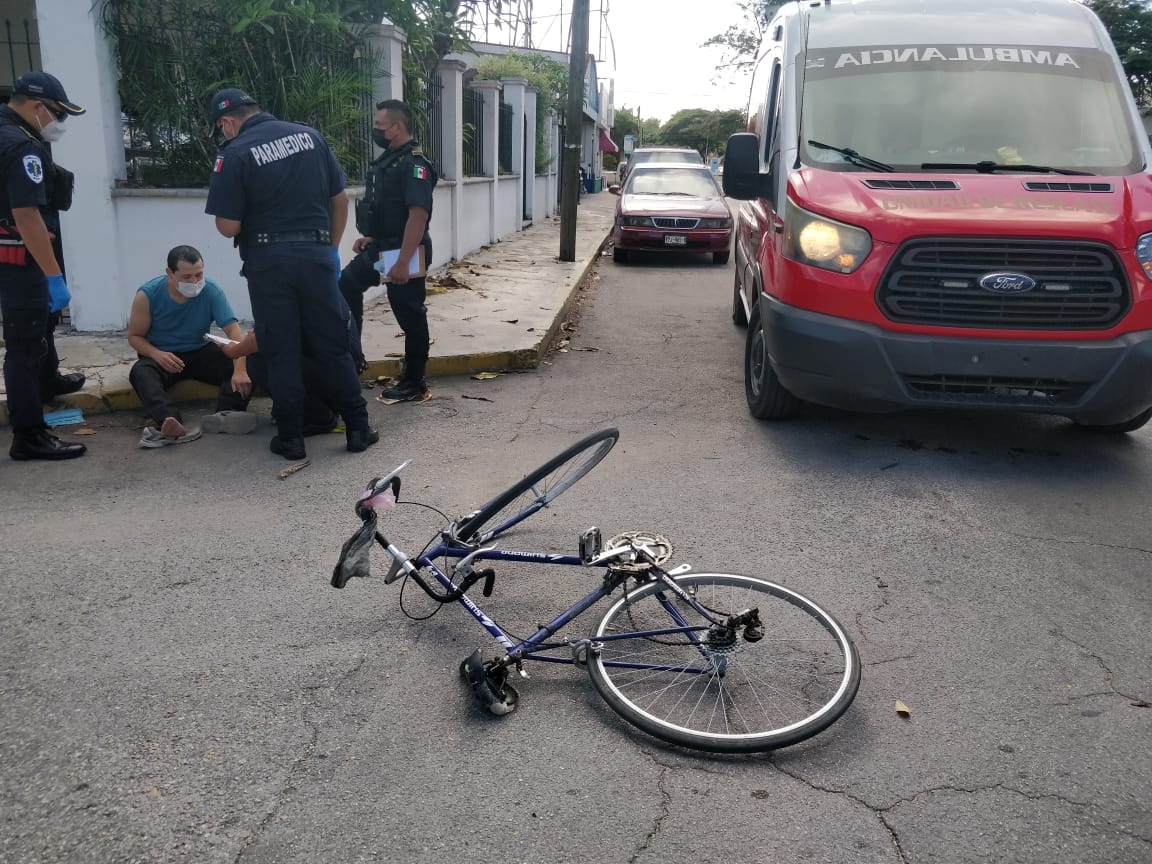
(267, 238)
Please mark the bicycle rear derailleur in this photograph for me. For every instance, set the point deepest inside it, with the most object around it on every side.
(489, 683)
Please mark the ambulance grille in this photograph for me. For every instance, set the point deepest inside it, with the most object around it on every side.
(936, 281)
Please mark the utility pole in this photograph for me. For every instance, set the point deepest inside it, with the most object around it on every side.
(570, 164)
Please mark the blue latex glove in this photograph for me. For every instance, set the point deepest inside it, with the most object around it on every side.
(58, 296)
(336, 258)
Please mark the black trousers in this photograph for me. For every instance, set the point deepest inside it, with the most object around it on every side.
(208, 365)
(30, 359)
(407, 302)
(318, 409)
(298, 311)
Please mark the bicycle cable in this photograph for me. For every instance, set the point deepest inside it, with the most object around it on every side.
(427, 546)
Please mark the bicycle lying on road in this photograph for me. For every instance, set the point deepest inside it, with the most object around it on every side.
(710, 661)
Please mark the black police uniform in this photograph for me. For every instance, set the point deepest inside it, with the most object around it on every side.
(396, 180)
(277, 178)
(28, 178)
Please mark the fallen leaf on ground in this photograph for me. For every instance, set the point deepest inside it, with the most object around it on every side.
(427, 395)
(902, 709)
(512, 321)
(485, 376)
(477, 398)
(285, 473)
(84, 430)
(394, 354)
(586, 348)
(567, 326)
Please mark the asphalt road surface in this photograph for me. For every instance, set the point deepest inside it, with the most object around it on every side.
(180, 684)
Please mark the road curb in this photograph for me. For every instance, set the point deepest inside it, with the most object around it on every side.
(105, 400)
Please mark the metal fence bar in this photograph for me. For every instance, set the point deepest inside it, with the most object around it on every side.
(473, 133)
(505, 136)
(27, 43)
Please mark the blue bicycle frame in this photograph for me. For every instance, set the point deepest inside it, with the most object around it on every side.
(532, 647)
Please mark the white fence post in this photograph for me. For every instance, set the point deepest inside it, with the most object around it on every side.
(451, 166)
(514, 94)
(388, 40)
(490, 149)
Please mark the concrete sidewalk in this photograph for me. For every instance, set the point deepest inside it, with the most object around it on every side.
(498, 308)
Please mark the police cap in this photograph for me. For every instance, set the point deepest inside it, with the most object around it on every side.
(227, 100)
(41, 85)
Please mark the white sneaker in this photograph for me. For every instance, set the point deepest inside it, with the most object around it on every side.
(230, 422)
(152, 438)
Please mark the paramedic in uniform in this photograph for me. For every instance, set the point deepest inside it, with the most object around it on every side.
(394, 214)
(32, 285)
(277, 189)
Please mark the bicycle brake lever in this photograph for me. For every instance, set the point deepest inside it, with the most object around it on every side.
(464, 565)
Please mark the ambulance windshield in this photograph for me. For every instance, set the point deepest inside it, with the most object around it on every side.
(908, 105)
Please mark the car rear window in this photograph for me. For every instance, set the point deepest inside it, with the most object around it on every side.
(672, 181)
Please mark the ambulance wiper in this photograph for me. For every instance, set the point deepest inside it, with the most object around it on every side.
(990, 167)
(852, 156)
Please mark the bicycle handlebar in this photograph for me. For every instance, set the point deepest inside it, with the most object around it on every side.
(374, 493)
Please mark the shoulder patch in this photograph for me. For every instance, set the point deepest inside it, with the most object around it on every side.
(419, 172)
(33, 168)
(219, 166)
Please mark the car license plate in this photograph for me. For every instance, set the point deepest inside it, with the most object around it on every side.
(675, 240)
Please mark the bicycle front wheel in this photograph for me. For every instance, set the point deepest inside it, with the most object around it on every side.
(536, 490)
(662, 666)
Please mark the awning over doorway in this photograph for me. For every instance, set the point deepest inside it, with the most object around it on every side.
(607, 145)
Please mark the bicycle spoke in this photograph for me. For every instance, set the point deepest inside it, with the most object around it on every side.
(742, 695)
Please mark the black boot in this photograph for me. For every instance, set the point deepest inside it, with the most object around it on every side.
(40, 444)
(359, 441)
(69, 383)
(289, 448)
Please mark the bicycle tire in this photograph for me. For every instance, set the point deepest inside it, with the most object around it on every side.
(771, 693)
(536, 490)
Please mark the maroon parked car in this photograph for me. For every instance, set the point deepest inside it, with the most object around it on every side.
(671, 208)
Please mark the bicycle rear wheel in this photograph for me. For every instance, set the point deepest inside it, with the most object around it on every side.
(703, 690)
(537, 490)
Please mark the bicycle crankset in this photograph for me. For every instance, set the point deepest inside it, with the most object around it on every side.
(656, 545)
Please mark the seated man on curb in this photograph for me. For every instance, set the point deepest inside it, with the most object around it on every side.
(170, 315)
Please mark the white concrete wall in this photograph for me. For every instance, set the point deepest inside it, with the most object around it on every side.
(508, 206)
(475, 232)
(541, 208)
(441, 227)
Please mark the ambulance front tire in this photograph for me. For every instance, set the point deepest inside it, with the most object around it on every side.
(1130, 425)
(767, 398)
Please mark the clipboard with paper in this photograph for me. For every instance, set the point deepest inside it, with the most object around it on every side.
(417, 266)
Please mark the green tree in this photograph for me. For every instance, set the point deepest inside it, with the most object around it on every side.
(702, 130)
(741, 42)
(1129, 23)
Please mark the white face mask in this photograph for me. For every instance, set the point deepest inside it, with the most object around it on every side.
(54, 131)
(190, 289)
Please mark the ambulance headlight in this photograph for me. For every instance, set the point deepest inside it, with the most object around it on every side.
(1144, 254)
(823, 242)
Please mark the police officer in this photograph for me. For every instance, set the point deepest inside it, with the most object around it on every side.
(278, 190)
(32, 285)
(393, 215)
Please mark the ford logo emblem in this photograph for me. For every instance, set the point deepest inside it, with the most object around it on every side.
(1007, 283)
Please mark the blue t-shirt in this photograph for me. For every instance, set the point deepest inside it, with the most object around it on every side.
(181, 326)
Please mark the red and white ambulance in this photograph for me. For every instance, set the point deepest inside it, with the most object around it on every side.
(946, 204)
